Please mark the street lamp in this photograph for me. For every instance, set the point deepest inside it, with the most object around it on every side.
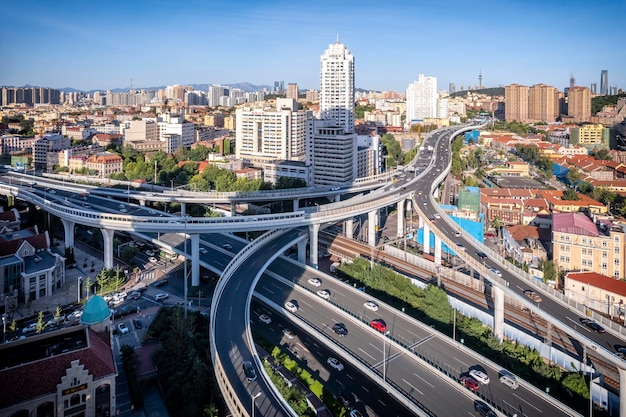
(185, 266)
(5, 316)
(254, 397)
(385, 355)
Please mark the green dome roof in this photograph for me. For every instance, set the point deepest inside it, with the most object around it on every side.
(95, 311)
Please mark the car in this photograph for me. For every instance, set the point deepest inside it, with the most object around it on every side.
(437, 216)
(370, 305)
(291, 306)
(316, 282)
(457, 233)
(325, 294)
(469, 382)
(264, 318)
(30, 328)
(479, 376)
(379, 324)
(87, 205)
(335, 363)
(621, 352)
(135, 295)
(137, 324)
(56, 321)
(335, 189)
(227, 246)
(76, 314)
(153, 259)
(51, 191)
(508, 379)
(161, 296)
(355, 413)
(149, 252)
(496, 271)
(123, 210)
(595, 326)
(203, 251)
(484, 410)
(289, 334)
(249, 371)
(460, 246)
(532, 295)
(122, 328)
(340, 329)
(481, 255)
(151, 211)
(344, 401)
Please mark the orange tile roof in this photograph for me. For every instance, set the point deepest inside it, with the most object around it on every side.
(599, 281)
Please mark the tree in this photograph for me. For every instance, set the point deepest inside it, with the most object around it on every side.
(570, 195)
(40, 323)
(573, 176)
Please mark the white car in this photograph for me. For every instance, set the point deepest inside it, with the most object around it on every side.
(316, 282)
(460, 246)
(291, 306)
(335, 363)
(203, 251)
(74, 314)
(370, 305)
(122, 328)
(496, 271)
(437, 216)
(479, 376)
(289, 334)
(153, 259)
(264, 318)
(227, 246)
(325, 294)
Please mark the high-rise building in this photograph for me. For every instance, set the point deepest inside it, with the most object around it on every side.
(452, 87)
(572, 80)
(332, 152)
(337, 86)
(279, 86)
(292, 91)
(604, 82)
(579, 104)
(516, 103)
(215, 93)
(594, 88)
(543, 103)
(421, 98)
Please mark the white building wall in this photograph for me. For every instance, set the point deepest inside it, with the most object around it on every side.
(337, 86)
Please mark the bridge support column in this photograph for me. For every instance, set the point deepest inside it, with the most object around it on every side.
(426, 238)
(107, 236)
(296, 204)
(183, 209)
(622, 391)
(302, 251)
(372, 223)
(437, 250)
(337, 198)
(349, 228)
(498, 312)
(195, 260)
(401, 216)
(142, 203)
(420, 222)
(68, 227)
(314, 230)
(233, 208)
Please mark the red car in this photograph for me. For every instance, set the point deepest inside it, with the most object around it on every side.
(470, 383)
(379, 325)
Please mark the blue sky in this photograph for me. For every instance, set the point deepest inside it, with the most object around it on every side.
(100, 45)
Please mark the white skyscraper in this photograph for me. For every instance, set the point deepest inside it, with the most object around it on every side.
(421, 99)
(337, 86)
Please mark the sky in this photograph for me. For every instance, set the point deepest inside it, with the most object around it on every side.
(102, 45)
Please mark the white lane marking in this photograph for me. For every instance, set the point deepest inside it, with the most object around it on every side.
(237, 287)
(304, 302)
(462, 363)
(268, 290)
(521, 399)
(377, 348)
(431, 385)
(230, 313)
(578, 323)
(367, 354)
(407, 382)
(350, 376)
(302, 347)
(365, 389)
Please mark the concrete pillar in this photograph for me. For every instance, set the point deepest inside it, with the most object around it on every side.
(107, 236)
(302, 251)
(349, 227)
(142, 203)
(622, 391)
(401, 216)
(337, 198)
(314, 230)
(498, 312)
(426, 238)
(296, 204)
(68, 227)
(371, 227)
(183, 209)
(195, 259)
(437, 250)
(233, 208)
(420, 222)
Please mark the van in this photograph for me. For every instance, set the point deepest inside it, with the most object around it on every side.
(509, 379)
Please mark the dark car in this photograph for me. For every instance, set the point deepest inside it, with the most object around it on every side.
(249, 370)
(340, 329)
(484, 410)
(160, 283)
(594, 326)
(137, 323)
(481, 255)
(344, 401)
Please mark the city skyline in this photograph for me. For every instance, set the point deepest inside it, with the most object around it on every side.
(77, 45)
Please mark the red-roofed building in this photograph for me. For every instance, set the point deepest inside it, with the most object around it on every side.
(579, 244)
(596, 291)
(105, 164)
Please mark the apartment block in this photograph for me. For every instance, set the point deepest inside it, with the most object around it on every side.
(591, 136)
(516, 103)
(337, 86)
(579, 104)
(543, 103)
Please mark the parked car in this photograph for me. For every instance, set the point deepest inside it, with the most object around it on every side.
(137, 324)
(264, 318)
(480, 376)
(161, 296)
(379, 325)
(149, 252)
(30, 328)
(469, 382)
(153, 259)
(122, 328)
(335, 363)
(340, 329)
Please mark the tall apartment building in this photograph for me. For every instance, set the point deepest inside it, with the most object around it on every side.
(175, 131)
(579, 104)
(267, 135)
(421, 98)
(543, 103)
(29, 96)
(337, 86)
(331, 151)
(581, 245)
(604, 82)
(516, 103)
(292, 91)
(216, 92)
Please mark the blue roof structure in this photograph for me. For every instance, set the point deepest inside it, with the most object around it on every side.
(95, 311)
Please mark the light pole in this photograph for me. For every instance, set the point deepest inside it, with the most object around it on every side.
(454, 326)
(385, 356)
(254, 397)
(185, 266)
(5, 316)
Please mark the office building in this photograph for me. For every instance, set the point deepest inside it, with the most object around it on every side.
(516, 103)
(264, 135)
(421, 99)
(332, 153)
(594, 88)
(337, 86)
(604, 82)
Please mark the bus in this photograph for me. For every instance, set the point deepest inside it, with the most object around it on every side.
(168, 254)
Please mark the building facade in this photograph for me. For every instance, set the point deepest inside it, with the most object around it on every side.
(421, 99)
(516, 103)
(579, 104)
(331, 152)
(543, 103)
(337, 86)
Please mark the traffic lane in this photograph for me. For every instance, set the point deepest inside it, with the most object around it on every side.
(426, 387)
(312, 356)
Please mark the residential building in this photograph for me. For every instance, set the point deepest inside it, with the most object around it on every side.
(105, 164)
(274, 170)
(264, 135)
(516, 103)
(175, 131)
(292, 91)
(591, 136)
(16, 143)
(421, 99)
(579, 104)
(525, 243)
(368, 156)
(597, 292)
(543, 103)
(579, 244)
(49, 142)
(337, 86)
